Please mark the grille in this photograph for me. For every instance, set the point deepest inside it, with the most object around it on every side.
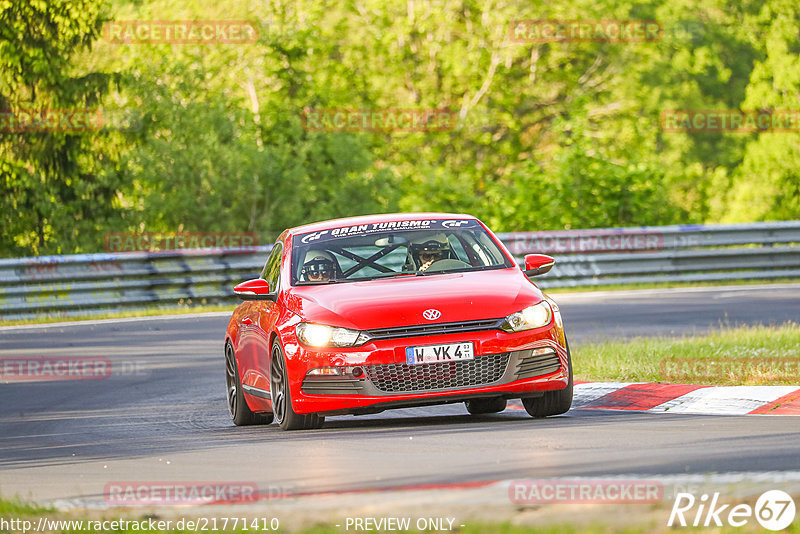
(402, 377)
(331, 386)
(434, 329)
(531, 365)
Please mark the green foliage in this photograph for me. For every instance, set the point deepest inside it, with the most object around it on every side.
(18, 507)
(549, 135)
(55, 186)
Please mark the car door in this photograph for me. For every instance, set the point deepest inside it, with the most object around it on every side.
(262, 315)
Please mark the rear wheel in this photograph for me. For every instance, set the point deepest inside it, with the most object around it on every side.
(281, 397)
(237, 406)
(480, 406)
(552, 402)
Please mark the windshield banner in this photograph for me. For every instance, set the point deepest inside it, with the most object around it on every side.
(323, 236)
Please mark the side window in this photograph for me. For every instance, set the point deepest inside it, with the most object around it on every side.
(272, 269)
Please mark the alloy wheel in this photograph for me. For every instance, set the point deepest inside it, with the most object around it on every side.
(278, 383)
(231, 380)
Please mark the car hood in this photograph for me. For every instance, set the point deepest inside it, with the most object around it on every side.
(400, 301)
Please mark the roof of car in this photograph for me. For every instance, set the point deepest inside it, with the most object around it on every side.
(378, 218)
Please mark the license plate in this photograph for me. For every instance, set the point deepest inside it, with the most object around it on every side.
(440, 353)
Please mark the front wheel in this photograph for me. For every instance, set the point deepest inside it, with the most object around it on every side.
(237, 406)
(552, 402)
(281, 397)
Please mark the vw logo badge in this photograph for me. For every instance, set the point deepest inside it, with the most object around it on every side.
(431, 314)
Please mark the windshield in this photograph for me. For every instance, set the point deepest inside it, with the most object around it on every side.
(403, 248)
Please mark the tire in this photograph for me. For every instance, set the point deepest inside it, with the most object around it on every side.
(481, 406)
(282, 399)
(552, 402)
(237, 406)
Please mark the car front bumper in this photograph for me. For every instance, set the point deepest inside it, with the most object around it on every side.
(376, 376)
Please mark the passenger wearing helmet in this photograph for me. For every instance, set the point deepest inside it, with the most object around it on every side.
(427, 250)
(319, 266)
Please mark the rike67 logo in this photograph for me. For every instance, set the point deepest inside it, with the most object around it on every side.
(774, 510)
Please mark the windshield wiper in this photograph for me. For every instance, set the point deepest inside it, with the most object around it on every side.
(320, 283)
(459, 270)
(378, 276)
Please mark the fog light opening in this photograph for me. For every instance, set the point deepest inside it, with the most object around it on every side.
(326, 371)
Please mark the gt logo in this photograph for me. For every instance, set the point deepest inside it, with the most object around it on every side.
(431, 314)
(313, 236)
(454, 224)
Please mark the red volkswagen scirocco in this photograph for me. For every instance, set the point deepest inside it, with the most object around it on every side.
(359, 315)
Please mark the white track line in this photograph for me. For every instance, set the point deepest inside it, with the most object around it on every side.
(119, 320)
(671, 291)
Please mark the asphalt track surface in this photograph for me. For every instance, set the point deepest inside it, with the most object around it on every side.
(167, 420)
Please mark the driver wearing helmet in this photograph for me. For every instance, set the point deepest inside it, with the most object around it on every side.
(429, 249)
(319, 266)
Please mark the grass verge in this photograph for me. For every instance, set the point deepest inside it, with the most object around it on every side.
(755, 355)
(17, 507)
(18, 517)
(147, 312)
(669, 285)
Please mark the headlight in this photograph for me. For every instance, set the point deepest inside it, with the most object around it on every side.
(320, 335)
(531, 317)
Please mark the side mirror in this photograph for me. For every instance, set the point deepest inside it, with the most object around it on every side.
(536, 264)
(257, 289)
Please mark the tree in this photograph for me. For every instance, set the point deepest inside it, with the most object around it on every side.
(55, 191)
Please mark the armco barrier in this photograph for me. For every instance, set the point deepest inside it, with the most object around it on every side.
(94, 283)
(681, 253)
